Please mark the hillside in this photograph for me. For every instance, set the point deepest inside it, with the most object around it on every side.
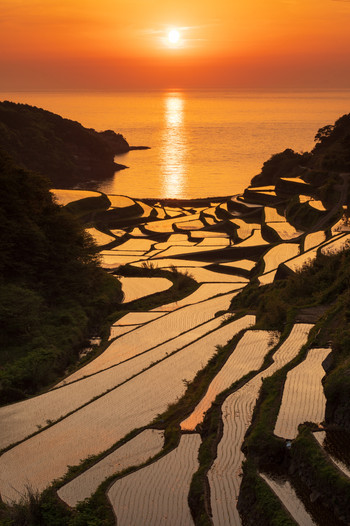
(59, 148)
(330, 154)
(53, 293)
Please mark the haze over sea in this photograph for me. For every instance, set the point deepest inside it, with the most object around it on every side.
(203, 143)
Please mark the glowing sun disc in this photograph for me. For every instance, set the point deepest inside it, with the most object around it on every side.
(174, 36)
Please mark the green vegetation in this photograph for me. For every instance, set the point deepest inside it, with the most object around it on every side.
(257, 503)
(54, 294)
(322, 282)
(315, 471)
(62, 149)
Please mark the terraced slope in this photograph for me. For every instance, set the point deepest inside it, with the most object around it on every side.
(303, 398)
(160, 489)
(154, 356)
(247, 356)
(225, 474)
(134, 404)
(135, 452)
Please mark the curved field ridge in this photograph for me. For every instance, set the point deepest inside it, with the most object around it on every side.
(119, 330)
(203, 275)
(285, 231)
(279, 254)
(248, 356)
(46, 456)
(303, 398)
(320, 437)
(337, 245)
(63, 197)
(198, 236)
(298, 262)
(100, 238)
(244, 229)
(120, 201)
(245, 264)
(152, 334)
(163, 262)
(113, 259)
(237, 410)
(266, 279)
(214, 241)
(314, 239)
(255, 239)
(160, 490)
(138, 318)
(135, 288)
(285, 492)
(135, 245)
(135, 452)
(204, 292)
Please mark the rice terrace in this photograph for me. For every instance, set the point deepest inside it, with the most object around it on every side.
(216, 391)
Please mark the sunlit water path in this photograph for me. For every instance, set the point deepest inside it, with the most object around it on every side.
(204, 143)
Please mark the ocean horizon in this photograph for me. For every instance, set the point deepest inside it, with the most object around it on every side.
(204, 143)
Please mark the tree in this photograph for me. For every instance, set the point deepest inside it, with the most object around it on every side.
(323, 133)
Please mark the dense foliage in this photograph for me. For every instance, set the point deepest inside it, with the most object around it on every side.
(53, 291)
(286, 163)
(332, 149)
(62, 149)
(330, 154)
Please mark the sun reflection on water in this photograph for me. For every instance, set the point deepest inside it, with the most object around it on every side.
(174, 145)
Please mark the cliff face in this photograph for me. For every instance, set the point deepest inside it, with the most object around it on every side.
(59, 148)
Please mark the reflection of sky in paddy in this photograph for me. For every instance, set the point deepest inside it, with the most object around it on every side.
(174, 145)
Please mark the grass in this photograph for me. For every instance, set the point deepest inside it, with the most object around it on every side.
(318, 475)
(264, 506)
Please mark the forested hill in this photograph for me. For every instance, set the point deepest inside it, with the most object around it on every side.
(59, 148)
(53, 292)
(330, 154)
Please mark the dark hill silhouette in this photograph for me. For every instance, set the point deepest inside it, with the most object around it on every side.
(59, 148)
(331, 153)
(53, 291)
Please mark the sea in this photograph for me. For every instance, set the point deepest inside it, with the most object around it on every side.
(202, 143)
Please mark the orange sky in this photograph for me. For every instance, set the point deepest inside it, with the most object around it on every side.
(116, 44)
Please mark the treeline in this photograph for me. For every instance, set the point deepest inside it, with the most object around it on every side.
(330, 154)
(54, 294)
(62, 149)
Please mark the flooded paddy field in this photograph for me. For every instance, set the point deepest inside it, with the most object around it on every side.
(154, 355)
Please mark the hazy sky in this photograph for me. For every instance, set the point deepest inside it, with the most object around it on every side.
(112, 44)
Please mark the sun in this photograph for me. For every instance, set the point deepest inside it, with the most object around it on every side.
(174, 37)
